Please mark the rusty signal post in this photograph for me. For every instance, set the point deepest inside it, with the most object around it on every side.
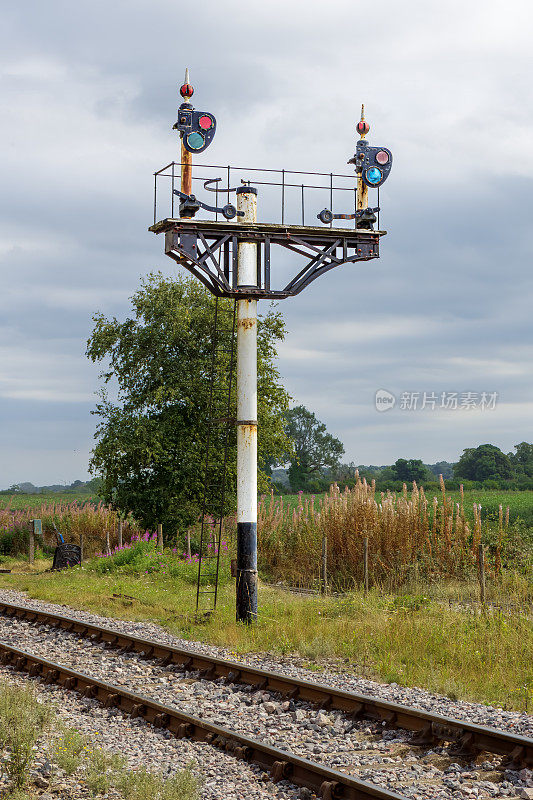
(231, 255)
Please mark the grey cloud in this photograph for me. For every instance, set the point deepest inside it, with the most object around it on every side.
(90, 97)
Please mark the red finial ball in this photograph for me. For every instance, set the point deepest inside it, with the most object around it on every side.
(186, 91)
(362, 127)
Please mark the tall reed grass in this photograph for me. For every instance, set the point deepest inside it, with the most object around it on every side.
(92, 520)
(409, 536)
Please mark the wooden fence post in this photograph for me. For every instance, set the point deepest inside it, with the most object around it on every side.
(188, 543)
(107, 543)
(365, 563)
(481, 551)
(159, 536)
(31, 551)
(120, 533)
(81, 547)
(324, 565)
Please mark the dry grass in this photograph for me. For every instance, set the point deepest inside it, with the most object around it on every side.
(93, 520)
(409, 536)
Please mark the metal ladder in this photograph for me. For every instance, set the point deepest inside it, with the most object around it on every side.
(218, 442)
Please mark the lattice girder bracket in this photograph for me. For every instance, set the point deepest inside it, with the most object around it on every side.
(208, 249)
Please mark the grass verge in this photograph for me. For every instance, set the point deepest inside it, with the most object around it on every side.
(412, 639)
(28, 725)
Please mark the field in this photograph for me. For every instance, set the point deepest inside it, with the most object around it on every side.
(520, 503)
(20, 501)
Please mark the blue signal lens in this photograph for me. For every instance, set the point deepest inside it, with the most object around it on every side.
(373, 175)
(195, 140)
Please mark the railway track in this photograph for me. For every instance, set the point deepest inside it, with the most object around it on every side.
(327, 783)
(428, 729)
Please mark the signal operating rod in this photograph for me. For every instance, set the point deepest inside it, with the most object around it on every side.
(247, 418)
(362, 189)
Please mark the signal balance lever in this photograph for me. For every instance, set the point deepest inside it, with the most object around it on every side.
(366, 216)
(190, 205)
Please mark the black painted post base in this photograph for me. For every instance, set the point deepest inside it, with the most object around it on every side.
(246, 572)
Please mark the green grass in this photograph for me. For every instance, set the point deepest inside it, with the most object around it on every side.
(520, 503)
(22, 723)
(18, 501)
(413, 639)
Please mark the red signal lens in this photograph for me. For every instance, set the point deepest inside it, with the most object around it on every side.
(205, 122)
(382, 157)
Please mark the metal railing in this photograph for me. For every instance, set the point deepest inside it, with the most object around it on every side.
(287, 200)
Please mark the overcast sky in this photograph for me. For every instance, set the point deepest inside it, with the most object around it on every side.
(89, 96)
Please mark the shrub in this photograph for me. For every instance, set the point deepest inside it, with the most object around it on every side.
(22, 721)
(141, 556)
(408, 533)
(142, 784)
(106, 770)
(69, 750)
(103, 770)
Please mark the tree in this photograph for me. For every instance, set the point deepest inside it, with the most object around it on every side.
(314, 448)
(483, 463)
(444, 468)
(150, 447)
(522, 460)
(409, 470)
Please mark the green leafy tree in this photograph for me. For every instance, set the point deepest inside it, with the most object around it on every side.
(483, 463)
(314, 447)
(522, 460)
(444, 468)
(150, 449)
(409, 470)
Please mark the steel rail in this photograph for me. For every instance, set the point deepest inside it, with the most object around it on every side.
(282, 765)
(469, 739)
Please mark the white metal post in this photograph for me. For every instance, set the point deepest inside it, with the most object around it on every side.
(247, 417)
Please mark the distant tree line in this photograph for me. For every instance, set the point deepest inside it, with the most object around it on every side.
(315, 464)
(76, 487)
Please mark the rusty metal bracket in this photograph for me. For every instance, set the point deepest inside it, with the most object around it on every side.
(208, 249)
(185, 730)
(112, 700)
(245, 753)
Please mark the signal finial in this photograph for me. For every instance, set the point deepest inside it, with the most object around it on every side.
(362, 126)
(186, 89)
